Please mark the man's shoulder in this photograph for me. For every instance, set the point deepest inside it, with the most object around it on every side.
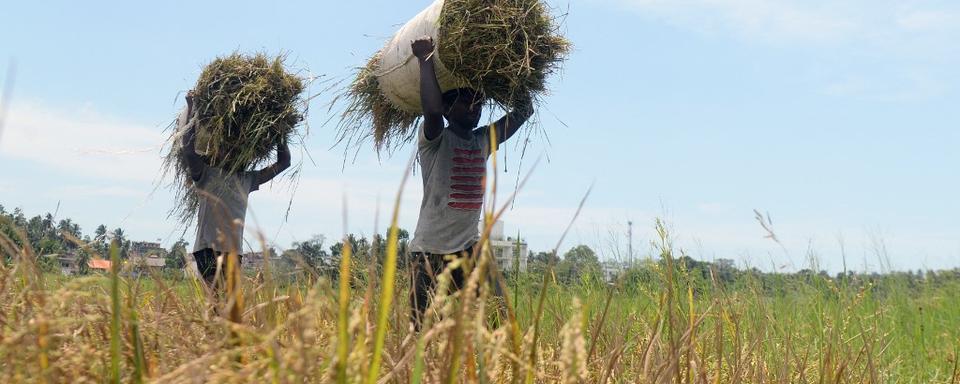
(250, 180)
(423, 142)
(482, 131)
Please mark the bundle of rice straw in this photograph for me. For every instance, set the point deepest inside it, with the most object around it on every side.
(245, 105)
(505, 49)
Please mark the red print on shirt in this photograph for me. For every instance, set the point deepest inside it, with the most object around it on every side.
(466, 180)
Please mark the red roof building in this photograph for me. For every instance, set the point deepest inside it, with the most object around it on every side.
(99, 264)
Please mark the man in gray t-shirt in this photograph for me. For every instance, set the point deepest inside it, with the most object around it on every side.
(453, 162)
(223, 198)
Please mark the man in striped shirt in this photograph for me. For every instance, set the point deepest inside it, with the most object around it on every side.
(453, 164)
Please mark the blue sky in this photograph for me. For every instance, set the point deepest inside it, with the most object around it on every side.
(839, 118)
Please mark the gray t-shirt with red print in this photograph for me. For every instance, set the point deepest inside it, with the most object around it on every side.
(453, 170)
(222, 203)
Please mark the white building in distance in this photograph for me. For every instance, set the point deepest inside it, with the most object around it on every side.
(613, 269)
(505, 250)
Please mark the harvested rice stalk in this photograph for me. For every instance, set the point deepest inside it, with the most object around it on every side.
(245, 105)
(506, 49)
(369, 106)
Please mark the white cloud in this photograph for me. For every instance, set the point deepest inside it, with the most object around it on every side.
(82, 142)
(106, 150)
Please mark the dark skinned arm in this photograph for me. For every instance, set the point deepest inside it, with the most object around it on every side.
(511, 122)
(283, 162)
(194, 161)
(431, 99)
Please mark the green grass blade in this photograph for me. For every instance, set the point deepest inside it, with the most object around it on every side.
(387, 285)
(138, 354)
(343, 339)
(418, 361)
(115, 313)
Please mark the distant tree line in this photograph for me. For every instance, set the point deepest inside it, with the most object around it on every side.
(47, 235)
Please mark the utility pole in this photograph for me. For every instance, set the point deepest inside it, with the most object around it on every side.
(630, 241)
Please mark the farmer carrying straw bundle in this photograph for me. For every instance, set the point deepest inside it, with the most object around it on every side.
(453, 164)
(242, 108)
(503, 49)
(446, 63)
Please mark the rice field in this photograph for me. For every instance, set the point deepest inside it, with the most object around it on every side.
(669, 319)
(666, 321)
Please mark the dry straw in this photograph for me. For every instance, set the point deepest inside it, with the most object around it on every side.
(669, 324)
(245, 106)
(506, 49)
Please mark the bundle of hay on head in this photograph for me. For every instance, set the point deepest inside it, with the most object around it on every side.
(505, 49)
(245, 105)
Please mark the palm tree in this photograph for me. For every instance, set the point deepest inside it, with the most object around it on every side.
(35, 231)
(64, 224)
(120, 238)
(68, 233)
(118, 234)
(19, 219)
(48, 224)
(100, 234)
(100, 240)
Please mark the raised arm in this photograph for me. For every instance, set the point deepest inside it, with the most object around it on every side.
(511, 122)
(283, 162)
(189, 153)
(431, 99)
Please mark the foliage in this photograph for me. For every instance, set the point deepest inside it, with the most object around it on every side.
(313, 254)
(541, 261)
(83, 260)
(669, 318)
(119, 237)
(578, 262)
(176, 259)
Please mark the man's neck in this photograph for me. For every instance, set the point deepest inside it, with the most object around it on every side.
(463, 133)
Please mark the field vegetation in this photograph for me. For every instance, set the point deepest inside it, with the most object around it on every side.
(668, 319)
